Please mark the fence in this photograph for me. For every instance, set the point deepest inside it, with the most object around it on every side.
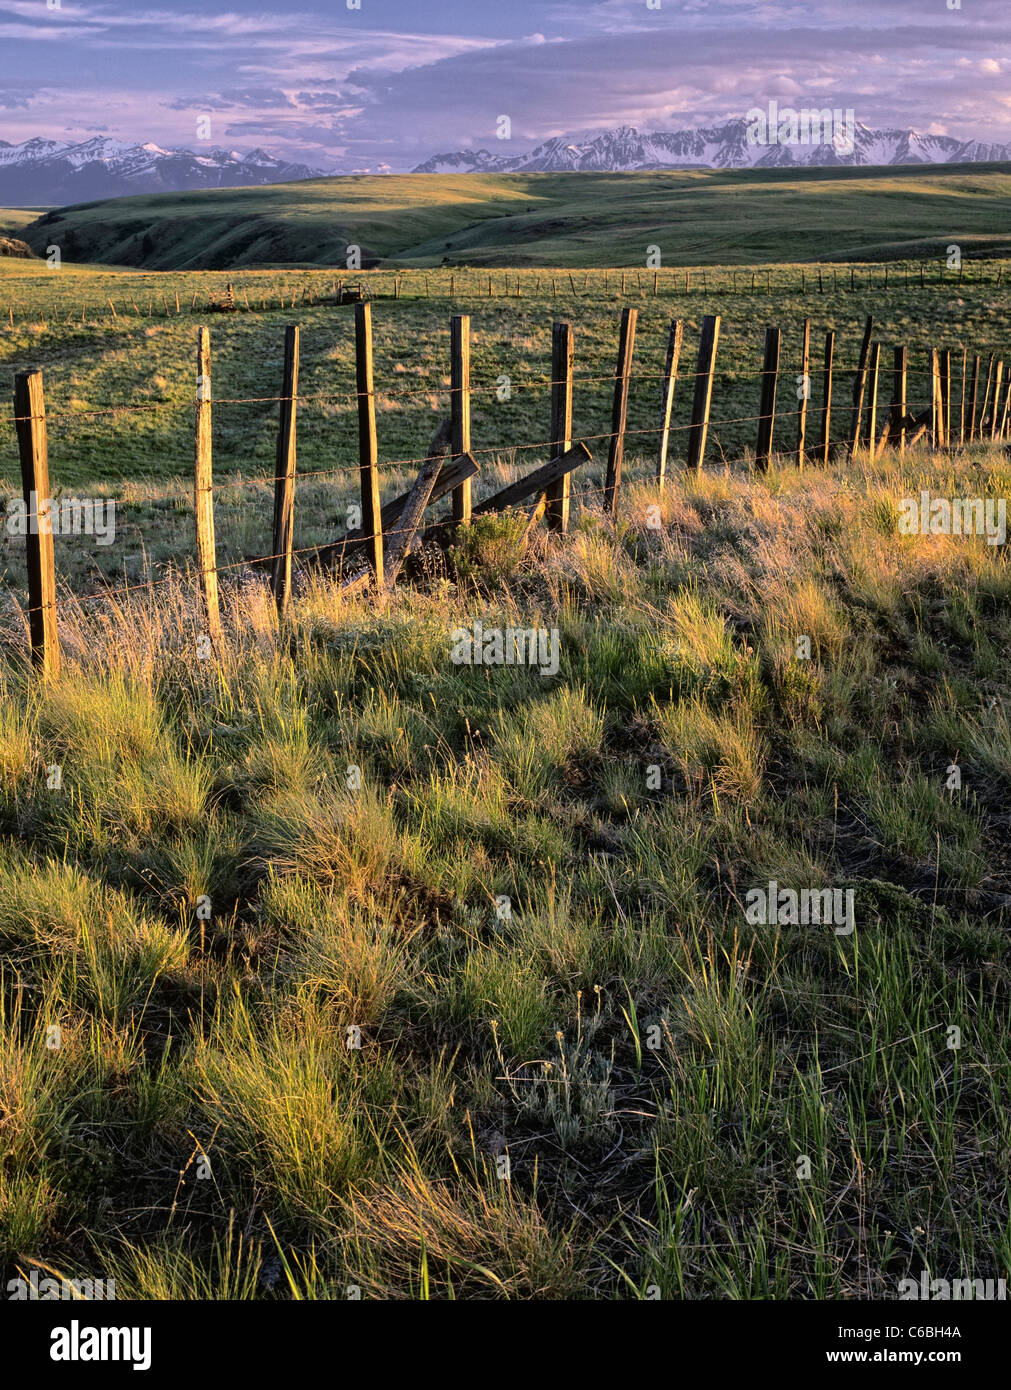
(262, 294)
(376, 551)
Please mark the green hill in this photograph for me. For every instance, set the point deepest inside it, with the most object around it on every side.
(696, 218)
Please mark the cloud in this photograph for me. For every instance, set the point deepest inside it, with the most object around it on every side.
(321, 101)
(328, 84)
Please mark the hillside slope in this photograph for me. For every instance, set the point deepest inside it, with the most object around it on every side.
(698, 217)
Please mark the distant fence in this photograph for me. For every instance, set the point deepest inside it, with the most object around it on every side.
(968, 401)
(470, 283)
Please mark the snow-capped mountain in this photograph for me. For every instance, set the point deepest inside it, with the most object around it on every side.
(53, 171)
(718, 147)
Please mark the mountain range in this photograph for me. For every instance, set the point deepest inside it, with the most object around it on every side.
(717, 147)
(56, 173)
(48, 172)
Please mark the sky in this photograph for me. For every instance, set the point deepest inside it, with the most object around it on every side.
(393, 82)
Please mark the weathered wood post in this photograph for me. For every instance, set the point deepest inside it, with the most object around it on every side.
(961, 411)
(998, 381)
(368, 444)
(944, 366)
(203, 489)
(805, 372)
(619, 409)
(859, 388)
(826, 409)
(33, 448)
(705, 369)
(899, 380)
(670, 376)
(1007, 409)
(974, 396)
(459, 381)
(873, 372)
(562, 352)
(284, 476)
(767, 410)
(986, 398)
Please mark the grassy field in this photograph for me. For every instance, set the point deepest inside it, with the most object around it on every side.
(696, 218)
(583, 1071)
(532, 911)
(112, 339)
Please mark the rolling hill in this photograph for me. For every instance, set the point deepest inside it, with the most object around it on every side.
(695, 217)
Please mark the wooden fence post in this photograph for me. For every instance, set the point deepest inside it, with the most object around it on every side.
(873, 371)
(460, 408)
(619, 409)
(998, 382)
(368, 444)
(826, 410)
(899, 379)
(974, 397)
(284, 476)
(944, 364)
(705, 368)
(30, 415)
(859, 388)
(557, 510)
(986, 397)
(670, 376)
(805, 371)
(961, 412)
(203, 489)
(767, 410)
(1007, 410)
(934, 373)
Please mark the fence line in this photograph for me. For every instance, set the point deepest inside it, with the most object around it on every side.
(674, 281)
(389, 533)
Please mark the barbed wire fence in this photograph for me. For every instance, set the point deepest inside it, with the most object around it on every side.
(968, 401)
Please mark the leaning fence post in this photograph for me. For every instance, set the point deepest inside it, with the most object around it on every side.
(460, 407)
(767, 410)
(826, 410)
(705, 367)
(284, 476)
(619, 409)
(670, 376)
(899, 378)
(557, 510)
(368, 444)
(203, 488)
(805, 371)
(859, 387)
(30, 418)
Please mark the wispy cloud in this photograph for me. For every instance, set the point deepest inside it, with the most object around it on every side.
(332, 87)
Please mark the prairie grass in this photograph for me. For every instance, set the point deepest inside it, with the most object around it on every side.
(370, 970)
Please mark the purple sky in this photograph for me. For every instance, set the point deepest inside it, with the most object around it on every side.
(398, 80)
